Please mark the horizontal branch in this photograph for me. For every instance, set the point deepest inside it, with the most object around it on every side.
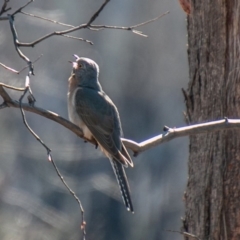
(172, 133)
(168, 135)
(86, 25)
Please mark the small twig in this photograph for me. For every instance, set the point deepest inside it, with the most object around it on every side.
(31, 63)
(186, 234)
(16, 43)
(4, 7)
(21, 8)
(18, 72)
(81, 39)
(47, 19)
(95, 15)
(83, 224)
(5, 104)
(26, 90)
(149, 21)
(86, 25)
(8, 68)
(101, 27)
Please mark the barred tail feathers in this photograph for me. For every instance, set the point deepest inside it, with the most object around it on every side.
(123, 184)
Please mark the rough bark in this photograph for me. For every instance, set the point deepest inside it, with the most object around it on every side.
(213, 191)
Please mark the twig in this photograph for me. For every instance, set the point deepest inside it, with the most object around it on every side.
(50, 158)
(86, 25)
(46, 19)
(8, 68)
(16, 43)
(21, 8)
(4, 7)
(149, 21)
(81, 39)
(83, 224)
(95, 15)
(186, 234)
(26, 90)
(18, 72)
(101, 27)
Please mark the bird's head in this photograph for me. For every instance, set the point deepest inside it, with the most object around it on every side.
(85, 69)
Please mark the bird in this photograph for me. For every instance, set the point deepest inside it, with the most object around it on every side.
(91, 109)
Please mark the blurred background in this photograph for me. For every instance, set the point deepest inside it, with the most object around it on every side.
(143, 76)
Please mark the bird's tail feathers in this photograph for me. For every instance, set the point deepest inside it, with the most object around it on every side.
(123, 183)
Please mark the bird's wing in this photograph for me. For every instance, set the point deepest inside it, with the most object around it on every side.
(100, 115)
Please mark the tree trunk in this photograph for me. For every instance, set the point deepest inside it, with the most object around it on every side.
(213, 191)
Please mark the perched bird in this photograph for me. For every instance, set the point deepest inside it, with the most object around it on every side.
(94, 112)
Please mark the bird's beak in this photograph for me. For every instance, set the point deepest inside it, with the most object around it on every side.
(74, 64)
(76, 56)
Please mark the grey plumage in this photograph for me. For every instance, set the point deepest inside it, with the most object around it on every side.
(93, 111)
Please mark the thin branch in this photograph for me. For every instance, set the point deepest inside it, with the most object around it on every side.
(42, 112)
(18, 72)
(83, 224)
(173, 133)
(168, 135)
(95, 15)
(149, 21)
(101, 27)
(21, 8)
(26, 90)
(47, 19)
(8, 68)
(7, 100)
(86, 25)
(186, 234)
(81, 39)
(4, 7)
(16, 44)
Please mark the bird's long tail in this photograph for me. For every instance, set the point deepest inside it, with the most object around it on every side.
(123, 184)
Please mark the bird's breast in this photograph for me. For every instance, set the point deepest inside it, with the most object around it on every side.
(74, 116)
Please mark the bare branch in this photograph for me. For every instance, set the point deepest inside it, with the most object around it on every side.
(27, 125)
(18, 72)
(7, 101)
(47, 19)
(91, 27)
(4, 7)
(81, 39)
(95, 15)
(21, 8)
(16, 43)
(100, 27)
(8, 68)
(186, 234)
(171, 133)
(149, 21)
(83, 224)
(42, 112)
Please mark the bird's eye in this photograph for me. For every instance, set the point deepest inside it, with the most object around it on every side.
(80, 65)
